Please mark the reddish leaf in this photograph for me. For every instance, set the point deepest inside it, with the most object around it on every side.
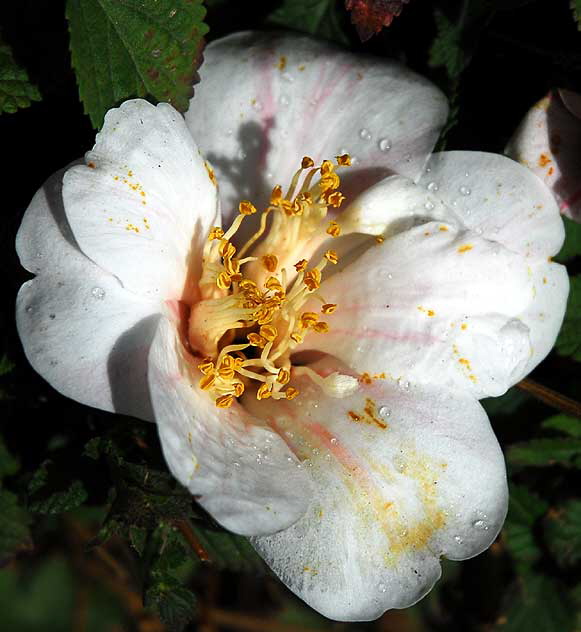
(370, 16)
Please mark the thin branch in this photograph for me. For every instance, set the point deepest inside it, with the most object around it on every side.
(550, 397)
(186, 530)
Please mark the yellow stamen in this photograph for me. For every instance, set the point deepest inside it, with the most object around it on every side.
(334, 229)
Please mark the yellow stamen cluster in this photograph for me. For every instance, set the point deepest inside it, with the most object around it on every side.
(259, 299)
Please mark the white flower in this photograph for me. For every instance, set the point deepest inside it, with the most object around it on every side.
(384, 461)
(548, 141)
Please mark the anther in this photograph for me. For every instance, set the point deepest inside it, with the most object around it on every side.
(246, 208)
(270, 262)
(215, 233)
(328, 308)
(291, 393)
(301, 265)
(332, 257)
(333, 229)
(344, 160)
(225, 401)
(307, 163)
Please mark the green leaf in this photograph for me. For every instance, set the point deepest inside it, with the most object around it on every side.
(539, 605)
(322, 18)
(135, 48)
(506, 404)
(138, 537)
(576, 8)
(9, 465)
(563, 533)
(16, 90)
(14, 521)
(543, 452)
(60, 502)
(572, 246)
(446, 50)
(5, 365)
(565, 424)
(174, 604)
(524, 509)
(569, 339)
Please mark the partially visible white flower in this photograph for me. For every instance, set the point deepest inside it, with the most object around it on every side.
(548, 141)
(348, 441)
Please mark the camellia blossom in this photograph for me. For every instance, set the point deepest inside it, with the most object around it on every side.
(548, 141)
(306, 306)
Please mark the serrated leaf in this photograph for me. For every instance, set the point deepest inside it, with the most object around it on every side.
(563, 533)
(321, 18)
(543, 452)
(572, 246)
(569, 339)
(524, 509)
(563, 423)
(540, 605)
(59, 502)
(174, 604)
(446, 50)
(138, 538)
(135, 48)
(370, 16)
(576, 8)
(16, 89)
(14, 521)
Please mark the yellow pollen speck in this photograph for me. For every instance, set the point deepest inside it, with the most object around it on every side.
(428, 312)
(465, 248)
(545, 280)
(332, 257)
(443, 228)
(302, 67)
(211, 174)
(464, 326)
(282, 62)
(270, 262)
(91, 165)
(333, 229)
(379, 239)
(473, 378)
(246, 208)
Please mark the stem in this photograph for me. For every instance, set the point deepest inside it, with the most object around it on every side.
(550, 397)
(186, 530)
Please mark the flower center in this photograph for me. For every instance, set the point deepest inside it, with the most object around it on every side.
(250, 318)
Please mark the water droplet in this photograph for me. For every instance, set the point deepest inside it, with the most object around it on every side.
(334, 440)
(229, 132)
(381, 587)
(403, 384)
(241, 154)
(466, 174)
(408, 157)
(384, 144)
(172, 13)
(98, 293)
(236, 464)
(464, 190)
(328, 456)
(156, 52)
(432, 186)
(480, 525)
(287, 77)
(29, 309)
(384, 411)
(429, 206)
(39, 255)
(389, 275)
(458, 539)
(284, 100)
(428, 169)
(365, 134)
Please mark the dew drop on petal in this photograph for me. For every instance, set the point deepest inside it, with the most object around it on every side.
(384, 144)
(389, 275)
(284, 100)
(403, 384)
(365, 134)
(98, 293)
(429, 206)
(432, 186)
(29, 309)
(381, 587)
(384, 411)
(287, 77)
(334, 440)
(458, 539)
(480, 525)
(464, 190)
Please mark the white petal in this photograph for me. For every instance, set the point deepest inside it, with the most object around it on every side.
(144, 210)
(498, 198)
(242, 473)
(401, 478)
(86, 335)
(426, 305)
(548, 141)
(266, 100)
